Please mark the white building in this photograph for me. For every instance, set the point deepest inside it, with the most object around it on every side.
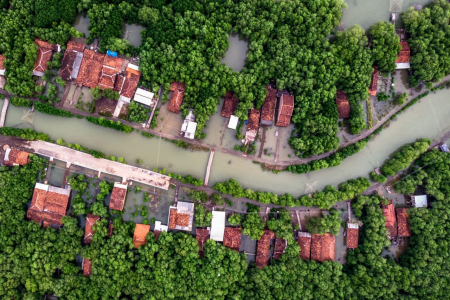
(143, 96)
(217, 226)
(419, 200)
(160, 227)
(189, 126)
(232, 124)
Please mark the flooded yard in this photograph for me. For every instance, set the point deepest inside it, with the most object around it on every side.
(82, 23)
(132, 33)
(236, 54)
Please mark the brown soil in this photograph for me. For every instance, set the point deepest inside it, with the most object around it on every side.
(273, 167)
(124, 112)
(105, 106)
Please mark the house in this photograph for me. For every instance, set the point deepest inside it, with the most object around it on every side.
(189, 126)
(144, 97)
(111, 67)
(159, 229)
(268, 108)
(352, 235)
(419, 200)
(71, 62)
(178, 89)
(49, 204)
(403, 58)
(403, 223)
(304, 241)
(233, 122)
(88, 229)
(87, 267)
(253, 126)
(118, 196)
(232, 238)
(201, 235)
(2, 65)
(343, 106)
(90, 69)
(230, 103)
(374, 83)
(391, 221)
(323, 247)
(44, 55)
(140, 235)
(126, 84)
(217, 226)
(15, 157)
(263, 248)
(280, 247)
(285, 110)
(181, 217)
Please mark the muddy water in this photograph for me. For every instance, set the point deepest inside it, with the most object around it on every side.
(132, 33)
(236, 54)
(82, 23)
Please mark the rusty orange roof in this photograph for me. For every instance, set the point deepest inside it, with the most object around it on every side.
(201, 235)
(374, 83)
(253, 120)
(56, 203)
(48, 206)
(172, 218)
(268, 108)
(75, 46)
(178, 89)
(323, 247)
(118, 197)
(232, 238)
(404, 229)
(87, 267)
(343, 106)
(262, 252)
(285, 110)
(44, 55)
(2, 62)
(128, 84)
(280, 247)
(90, 69)
(230, 103)
(391, 221)
(18, 157)
(140, 234)
(47, 45)
(352, 236)
(405, 53)
(88, 229)
(304, 241)
(110, 69)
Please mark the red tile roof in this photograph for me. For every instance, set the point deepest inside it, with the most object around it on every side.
(75, 46)
(172, 218)
(202, 235)
(87, 267)
(403, 223)
(178, 89)
(343, 106)
(262, 252)
(232, 238)
(47, 45)
(118, 197)
(352, 237)
(44, 55)
(2, 62)
(305, 245)
(391, 222)
(90, 69)
(88, 229)
(111, 67)
(253, 120)
(405, 53)
(69, 58)
(140, 234)
(285, 109)
(130, 83)
(48, 206)
(280, 247)
(268, 108)
(56, 203)
(374, 83)
(230, 103)
(17, 157)
(323, 247)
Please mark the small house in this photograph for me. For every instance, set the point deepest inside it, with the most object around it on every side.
(232, 238)
(44, 55)
(403, 58)
(217, 226)
(201, 235)
(140, 235)
(126, 84)
(268, 108)
(285, 110)
(343, 106)
(304, 241)
(352, 235)
(404, 229)
(181, 217)
(230, 103)
(374, 82)
(233, 122)
(144, 97)
(419, 200)
(118, 196)
(391, 220)
(88, 229)
(189, 126)
(49, 204)
(111, 67)
(70, 65)
(178, 89)
(279, 248)
(252, 126)
(323, 247)
(263, 248)
(15, 157)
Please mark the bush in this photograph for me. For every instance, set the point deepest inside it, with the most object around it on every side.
(110, 124)
(137, 113)
(20, 102)
(148, 135)
(235, 219)
(110, 94)
(26, 134)
(60, 81)
(50, 110)
(39, 89)
(328, 223)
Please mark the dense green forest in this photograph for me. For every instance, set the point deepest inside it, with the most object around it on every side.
(36, 261)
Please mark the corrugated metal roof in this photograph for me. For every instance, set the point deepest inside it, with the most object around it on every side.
(233, 122)
(217, 225)
(142, 99)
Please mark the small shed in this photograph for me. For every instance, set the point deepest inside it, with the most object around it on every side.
(232, 238)
(419, 200)
(140, 235)
(403, 58)
(217, 226)
(404, 229)
(144, 97)
(352, 235)
(189, 126)
(118, 196)
(343, 106)
(15, 157)
(444, 148)
(202, 236)
(233, 122)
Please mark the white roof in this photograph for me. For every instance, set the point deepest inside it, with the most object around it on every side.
(420, 200)
(2, 72)
(120, 185)
(304, 234)
(58, 190)
(160, 227)
(352, 225)
(7, 154)
(142, 99)
(41, 186)
(164, 228)
(190, 131)
(133, 66)
(217, 226)
(233, 122)
(401, 66)
(144, 93)
(124, 99)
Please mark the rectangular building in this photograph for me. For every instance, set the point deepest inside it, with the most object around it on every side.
(217, 226)
(126, 84)
(304, 241)
(343, 106)
(15, 157)
(263, 248)
(268, 108)
(404, 57)
(90, 69)
(70, 65)
(391, 221)
(178, 89)
(118, 196)
(230, 103)
(280, 247)
(88, 229)
(323, 247)
(232, 238)
(181, 217)
(285, 110)
(352, 235)
(44, 55)
(2, 65)
(374, 82)
(140, 235)
(111, 67)
(201, 235)
(252, 126)
(404, 229)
